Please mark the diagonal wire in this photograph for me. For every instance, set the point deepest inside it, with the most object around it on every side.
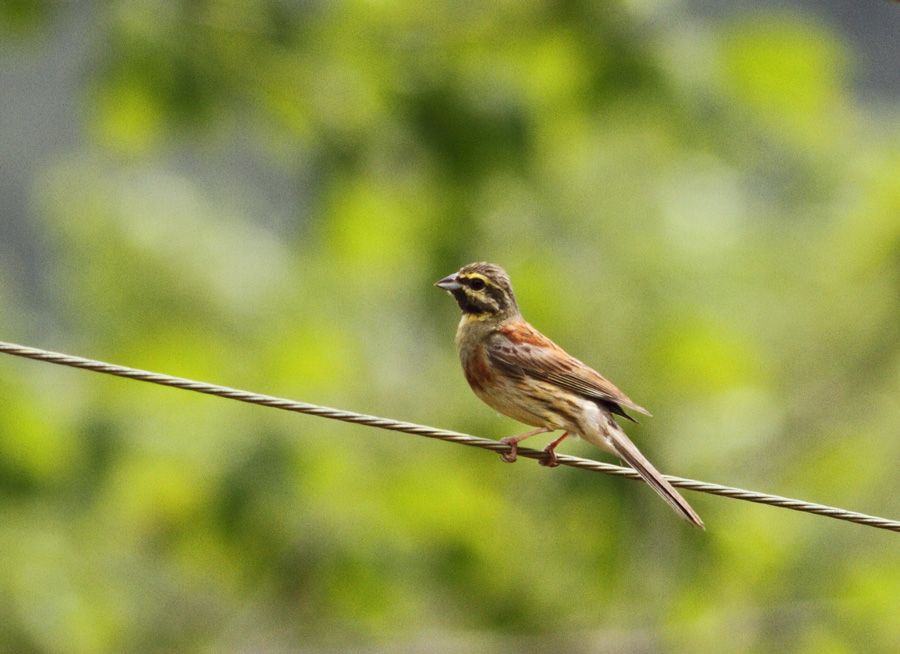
(431, 432)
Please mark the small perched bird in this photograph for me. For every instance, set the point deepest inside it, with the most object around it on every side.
(521, 373)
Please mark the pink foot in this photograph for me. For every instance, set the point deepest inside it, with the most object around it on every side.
(550, 460)
(513, 442)
(512, 455)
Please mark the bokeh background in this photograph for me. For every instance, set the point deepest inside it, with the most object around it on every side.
(702, 199)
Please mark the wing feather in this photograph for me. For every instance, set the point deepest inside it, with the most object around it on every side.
(521, 349)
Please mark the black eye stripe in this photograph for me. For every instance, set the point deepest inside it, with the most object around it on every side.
(475, 282)
(484, 289)
(484, 292)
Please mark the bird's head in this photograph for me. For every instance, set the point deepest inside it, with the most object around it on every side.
(482, 290)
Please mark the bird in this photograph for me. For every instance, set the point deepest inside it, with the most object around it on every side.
(521, 373)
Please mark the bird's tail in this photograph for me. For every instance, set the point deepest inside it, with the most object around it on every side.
(622, 446)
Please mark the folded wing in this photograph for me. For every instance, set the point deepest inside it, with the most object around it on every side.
(522, 350)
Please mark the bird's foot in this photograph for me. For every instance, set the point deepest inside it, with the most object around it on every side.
(550, 459)
(513, 442)
(512, 455)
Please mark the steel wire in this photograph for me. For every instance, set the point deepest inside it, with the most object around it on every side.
(432, 432)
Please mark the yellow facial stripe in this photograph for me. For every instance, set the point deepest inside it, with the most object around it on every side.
(475, 275)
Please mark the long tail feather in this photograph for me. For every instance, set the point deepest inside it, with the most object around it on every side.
(624, 448)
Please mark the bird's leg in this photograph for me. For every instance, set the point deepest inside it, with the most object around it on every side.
(513, 442)
(551, 460)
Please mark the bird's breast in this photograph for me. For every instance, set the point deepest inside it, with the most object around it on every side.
(477, 369)
(502, 392)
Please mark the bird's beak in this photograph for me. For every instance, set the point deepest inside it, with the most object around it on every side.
(449, 283)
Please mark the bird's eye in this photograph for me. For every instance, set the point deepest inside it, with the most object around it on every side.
(476, 284)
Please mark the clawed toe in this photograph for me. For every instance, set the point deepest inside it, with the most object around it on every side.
(549, 460)
(512, 455)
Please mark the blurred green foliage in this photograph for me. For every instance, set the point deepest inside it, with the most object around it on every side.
(704, 213)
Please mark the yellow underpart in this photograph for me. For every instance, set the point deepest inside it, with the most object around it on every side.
(484, 315)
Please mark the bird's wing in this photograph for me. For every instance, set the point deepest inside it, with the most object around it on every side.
(521, 349)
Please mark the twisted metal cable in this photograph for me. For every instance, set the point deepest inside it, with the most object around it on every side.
(441, 434)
